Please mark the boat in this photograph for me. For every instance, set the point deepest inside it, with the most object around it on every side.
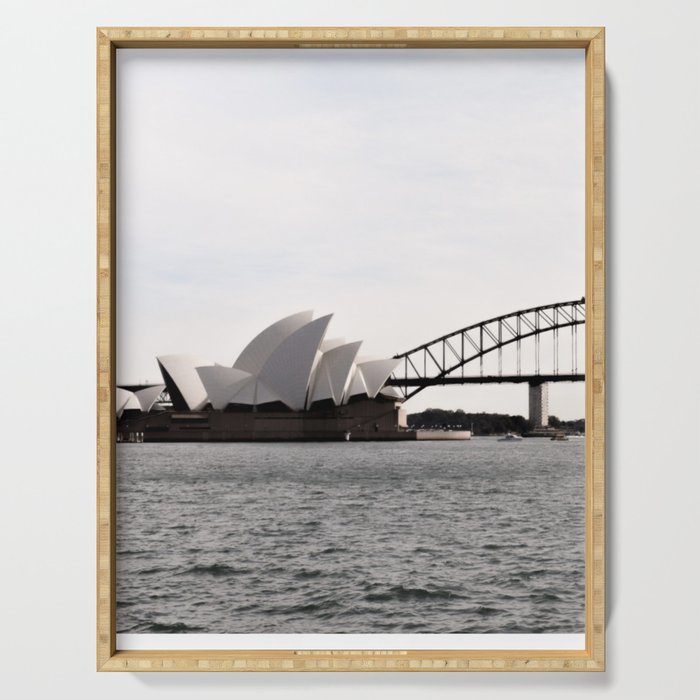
(560, 437)
(510, 437)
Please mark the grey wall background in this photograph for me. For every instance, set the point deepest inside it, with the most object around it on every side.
(47, 348)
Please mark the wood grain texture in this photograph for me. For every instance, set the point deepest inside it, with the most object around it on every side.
(590, 38)
(106, 377)
(595, 349)
(350, 37)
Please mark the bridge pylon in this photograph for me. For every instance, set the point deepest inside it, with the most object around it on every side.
(538, 395)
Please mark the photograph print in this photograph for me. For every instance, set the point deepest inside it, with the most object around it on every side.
(350, 344)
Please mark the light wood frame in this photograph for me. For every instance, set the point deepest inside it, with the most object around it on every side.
(592, 39)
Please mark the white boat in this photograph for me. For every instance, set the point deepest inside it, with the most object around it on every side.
(510, 437)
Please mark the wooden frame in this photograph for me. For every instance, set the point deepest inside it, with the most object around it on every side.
(590, 659)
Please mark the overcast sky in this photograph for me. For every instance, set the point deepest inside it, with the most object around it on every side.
(409, 192)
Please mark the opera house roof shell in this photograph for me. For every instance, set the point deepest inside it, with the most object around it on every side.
(290, 362)
(141, 400)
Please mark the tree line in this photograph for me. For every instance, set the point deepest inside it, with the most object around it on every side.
(483, 423)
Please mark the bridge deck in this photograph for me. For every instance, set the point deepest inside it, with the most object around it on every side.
(489, 379)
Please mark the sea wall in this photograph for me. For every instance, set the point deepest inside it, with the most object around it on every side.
(360, 420)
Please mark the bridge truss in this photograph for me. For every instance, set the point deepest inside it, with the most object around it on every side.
(443, 360)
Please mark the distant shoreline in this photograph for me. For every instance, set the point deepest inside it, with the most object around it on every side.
(485, 424)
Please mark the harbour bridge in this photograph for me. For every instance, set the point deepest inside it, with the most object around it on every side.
(459, 357)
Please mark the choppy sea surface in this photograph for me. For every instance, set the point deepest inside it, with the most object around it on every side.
(435, 537)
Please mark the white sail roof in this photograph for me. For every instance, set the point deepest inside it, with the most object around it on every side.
(340, 368)
(147, 397)
(259, 350)
(222, 383)
(287, 371)
(391, 391)
(132, 403)
(333, 373)
(375, 373)
(182, 370)
(356, 385)
(141, 400)
(121, 399)
(254, 392)
(290, 361)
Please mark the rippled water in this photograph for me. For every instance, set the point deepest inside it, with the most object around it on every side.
(441, 537)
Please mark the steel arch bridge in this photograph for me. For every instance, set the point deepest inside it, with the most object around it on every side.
(442, 361)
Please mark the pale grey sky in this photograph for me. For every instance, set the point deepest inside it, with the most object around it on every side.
(410, 192)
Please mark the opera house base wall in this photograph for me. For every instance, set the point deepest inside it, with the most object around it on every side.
(365, 420)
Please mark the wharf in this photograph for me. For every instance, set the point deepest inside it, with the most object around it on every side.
(443, 435)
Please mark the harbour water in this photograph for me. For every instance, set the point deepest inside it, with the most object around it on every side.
(430, 537)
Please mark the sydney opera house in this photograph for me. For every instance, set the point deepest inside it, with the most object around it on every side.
(289, 383)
